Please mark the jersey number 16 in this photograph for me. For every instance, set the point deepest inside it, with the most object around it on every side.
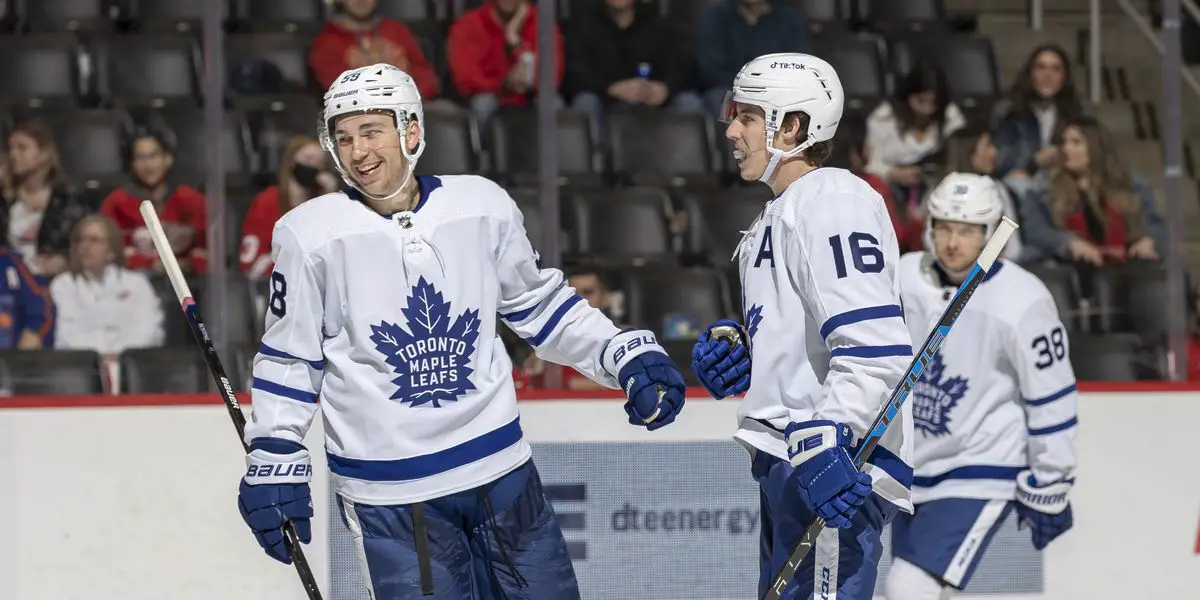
(864, 253)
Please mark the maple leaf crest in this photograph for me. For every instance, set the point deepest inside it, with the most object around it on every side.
(432, 357)
(935, 396)
(753, 318)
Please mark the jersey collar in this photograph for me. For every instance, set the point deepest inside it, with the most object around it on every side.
(426, 185)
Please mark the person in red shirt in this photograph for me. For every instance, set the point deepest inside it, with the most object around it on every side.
(304, 174)
(357, 37)
(181, 208)
(493, 56)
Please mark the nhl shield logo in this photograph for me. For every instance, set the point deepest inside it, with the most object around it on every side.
(432, 358)
(935, 396)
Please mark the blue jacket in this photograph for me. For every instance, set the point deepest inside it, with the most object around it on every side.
(725, 41)
(24, 303)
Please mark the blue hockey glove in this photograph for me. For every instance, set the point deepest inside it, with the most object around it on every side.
(652, 383)
(721, 359)
(824, 471)
(1044, 508)
(275, 490)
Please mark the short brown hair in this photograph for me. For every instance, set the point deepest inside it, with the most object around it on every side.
(36, 130)
(116, 242)
(816, 154)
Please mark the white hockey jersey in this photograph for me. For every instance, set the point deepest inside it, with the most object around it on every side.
(999, 397)
(387, 326)
(828, 341)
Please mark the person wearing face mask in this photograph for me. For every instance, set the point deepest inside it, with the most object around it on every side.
(385, 303)
(181, 207)
(303, 175)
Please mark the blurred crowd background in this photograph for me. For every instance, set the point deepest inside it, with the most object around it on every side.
(103, 104)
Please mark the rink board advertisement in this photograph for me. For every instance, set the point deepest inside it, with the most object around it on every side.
(134, 497)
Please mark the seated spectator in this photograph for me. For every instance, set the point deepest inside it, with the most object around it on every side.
(180, 207)
(357, 37)
(103, 306)
(733, 32)
(1092, 210)
(971, 150)
(621, 54)
(26, 311)
(1042, 99)
(905, 134)
(493, 56)
(38, 210)
(304, 174)
(908, 224)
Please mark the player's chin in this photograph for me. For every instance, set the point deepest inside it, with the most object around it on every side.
(750, 172)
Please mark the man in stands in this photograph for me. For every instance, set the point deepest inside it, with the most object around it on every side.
(356, 37)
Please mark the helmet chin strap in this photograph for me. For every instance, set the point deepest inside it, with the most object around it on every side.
(412, 165)
(778, 155)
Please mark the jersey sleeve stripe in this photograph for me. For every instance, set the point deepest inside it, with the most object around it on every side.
(271, 387)
(1065, 425)
(858, 315)
(1070, 389)
(265, 350)
(555, 319)
(520, 315)
(427, 465)
(969, 472)
(871, 351)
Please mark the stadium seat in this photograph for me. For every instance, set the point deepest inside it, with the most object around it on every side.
(911, 14)
(272, 130)
(680, 352)
(407, 10)
(173, 15)
(622, 226)
(191, 141)
(178, 370)
(451, 144)
(858, 60)
(528, 200)
(40, 71)
(822, 15)
(149, 70)
(514, 148)
(284, 51)
(685, 11)
(968, 61)
(1131, 299)
(51, 372)
(65, 15)
(240, 323)
(90, 145)
(675, 302)
(663, 148)
(302, 17)
(175, 325)
(718, 217)
(1107, 357)
(1063, 284)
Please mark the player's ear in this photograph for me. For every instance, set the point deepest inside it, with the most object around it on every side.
(789, 132)
(412, 137)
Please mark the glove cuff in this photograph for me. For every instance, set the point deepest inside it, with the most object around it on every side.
(729, 330)
(810, 438)
(626, 346)
(268, 464)
(1050, 499)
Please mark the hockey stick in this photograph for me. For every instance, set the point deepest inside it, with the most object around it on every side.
(983, 264)
(200, 333)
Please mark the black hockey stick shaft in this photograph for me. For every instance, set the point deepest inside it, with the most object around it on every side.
(209, 351)
(892, 407)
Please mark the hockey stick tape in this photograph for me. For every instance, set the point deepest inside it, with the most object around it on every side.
(657, 407)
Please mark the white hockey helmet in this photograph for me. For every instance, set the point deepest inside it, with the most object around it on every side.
(379, 87)
(964, 198)
(783, 83)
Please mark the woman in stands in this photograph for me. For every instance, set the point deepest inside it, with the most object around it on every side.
(304, 174)
(1092, 210)
(971, 150)
(102, 306)
(38, 209)
(180, 207)
(905, 133)
(1043, 98)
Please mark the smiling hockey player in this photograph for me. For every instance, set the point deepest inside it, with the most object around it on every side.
(994, 412)
(383, 307)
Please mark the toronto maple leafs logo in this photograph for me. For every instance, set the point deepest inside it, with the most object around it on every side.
(935, 396)
(432, 358)
(753, 318)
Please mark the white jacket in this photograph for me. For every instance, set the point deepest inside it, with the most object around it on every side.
(118, 311)
(888, 147)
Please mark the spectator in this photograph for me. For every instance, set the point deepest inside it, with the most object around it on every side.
(733, 32)
(38, 211)
(1092, 210)
(905, 133)
(103, 306)
(304, 174)
(908, 226)
(357, 37)
(26, 310)
(970, 150)
(621, 54)
(1042, 99)
(493, 56)
(181, 208)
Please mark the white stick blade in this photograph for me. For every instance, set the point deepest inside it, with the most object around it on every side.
(991, 251)
(165, 254)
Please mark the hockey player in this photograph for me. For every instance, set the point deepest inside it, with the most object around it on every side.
(384, 305)
(823, 325)
(994, 412)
